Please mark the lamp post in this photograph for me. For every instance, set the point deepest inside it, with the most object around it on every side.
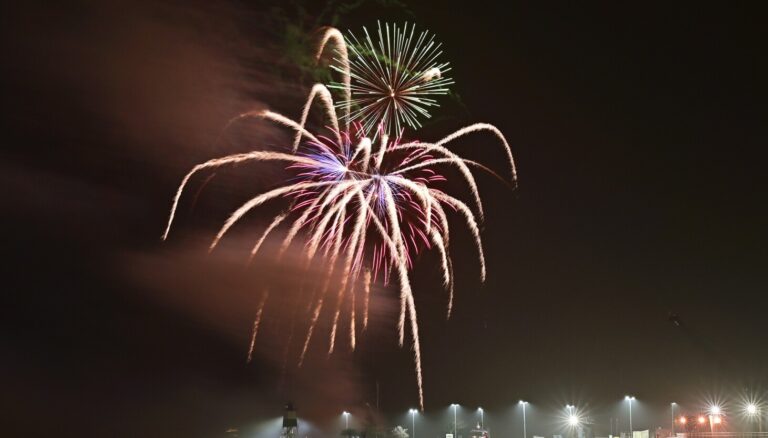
(630, 399)
(754, 411)
(525, 432)
(672, 407)
(454, 406)
(714, 417)
(346, 420)
(413, 423)
(482, 418)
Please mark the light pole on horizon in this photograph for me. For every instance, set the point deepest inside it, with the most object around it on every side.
(672, 407)
(482, 418)
(346, 420)
(525, 432)
(714, 417)
(630, 399)
(754, 411)
(454, 406)
(413, 423)
(573, 420)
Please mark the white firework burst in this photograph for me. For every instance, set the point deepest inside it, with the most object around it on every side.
(394, 78)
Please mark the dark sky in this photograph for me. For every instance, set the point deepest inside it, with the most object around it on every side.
(639, 134)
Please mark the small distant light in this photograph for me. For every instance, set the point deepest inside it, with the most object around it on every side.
(683, 420)
(717, 419)
(702, 420)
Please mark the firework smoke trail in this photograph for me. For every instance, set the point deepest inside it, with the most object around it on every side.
(393, 79)
(231, 159)
(256, 322)
(366, 206)
(367, 299)
(333, 34)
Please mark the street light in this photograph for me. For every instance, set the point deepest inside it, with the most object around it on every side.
(482, 418)
(454, 406)
(754, 411)
(630, 399)
(672, 407)
(525, 432)
(413, 422)
(714, 417)
(573, 420)
(346, 419)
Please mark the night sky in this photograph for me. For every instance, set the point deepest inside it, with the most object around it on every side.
(639, 133)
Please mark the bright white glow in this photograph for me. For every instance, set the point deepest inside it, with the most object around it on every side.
(629, 397)
(717, 419)
(683, 420)
(480, 410)
(714, 410)
(573, 420)
(702, 420)
(751, 409)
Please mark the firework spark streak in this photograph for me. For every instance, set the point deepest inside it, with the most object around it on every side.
(368, 207)
(391, 80)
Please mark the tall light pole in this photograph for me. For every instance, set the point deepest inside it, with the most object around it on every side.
(413, 423)
(525, 432)
(455, 406)
(346, 420)
(672, 407)
(573, 420)
(714, 417)
(754, 411)
(482, 418)
(630, 399)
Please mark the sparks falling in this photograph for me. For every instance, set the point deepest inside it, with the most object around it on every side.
(394, 77)
(366, 205)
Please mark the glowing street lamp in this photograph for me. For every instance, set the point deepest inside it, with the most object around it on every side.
(346, 419)
(482, 418)
(413, 422)
(672, 407)
(752, 411)
(630, 399)
(454, 406)
(525, 432)
(573, 420)
(714, 417)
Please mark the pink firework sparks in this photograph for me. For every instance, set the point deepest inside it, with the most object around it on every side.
(368, 207)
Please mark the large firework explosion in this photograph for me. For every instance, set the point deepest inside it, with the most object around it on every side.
(366, 205)
(395, 77)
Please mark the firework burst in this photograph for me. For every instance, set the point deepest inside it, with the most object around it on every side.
(367, 206)
(394, 78)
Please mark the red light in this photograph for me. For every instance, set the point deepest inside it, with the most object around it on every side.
(702, 420)
(683, 420)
